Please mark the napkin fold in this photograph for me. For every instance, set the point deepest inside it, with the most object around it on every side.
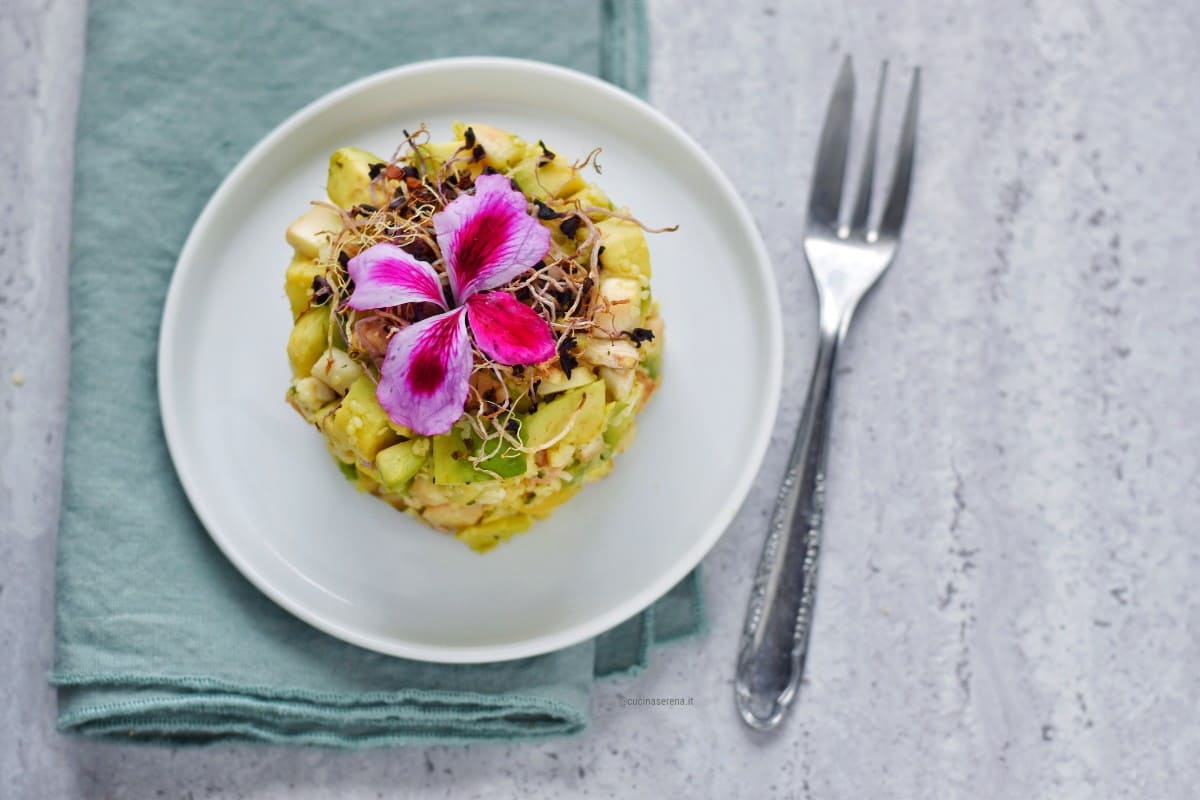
(158, 638)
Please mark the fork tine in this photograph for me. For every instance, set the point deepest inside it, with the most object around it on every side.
(866, 180)
(897, 204)
(825, 199)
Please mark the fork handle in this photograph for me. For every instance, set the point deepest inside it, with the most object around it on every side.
(775, 638)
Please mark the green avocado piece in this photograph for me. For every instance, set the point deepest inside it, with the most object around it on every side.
(452, 454)
(554, 179)
(308, 340)
(541, 426)
(625, 251)
(360, 425)
(501, 148)
(435, 154)
(313, 231)
(592, 196)
(559, 382)
(298, 282)
(618, 416)
(399, 463)
(349, 181)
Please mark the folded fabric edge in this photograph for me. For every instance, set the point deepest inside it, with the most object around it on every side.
(660, 629)
(224, 704)
(697, 624)
(640, 658)
(198, 683)
(625, 56)
(194, 732)
(210, 714)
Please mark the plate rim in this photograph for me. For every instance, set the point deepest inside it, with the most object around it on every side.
(542, 644)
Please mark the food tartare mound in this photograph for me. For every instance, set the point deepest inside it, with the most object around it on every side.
(474, 332)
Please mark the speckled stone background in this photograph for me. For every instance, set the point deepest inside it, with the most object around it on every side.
(1008, 605)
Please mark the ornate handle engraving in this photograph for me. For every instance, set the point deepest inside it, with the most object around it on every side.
(775, 639)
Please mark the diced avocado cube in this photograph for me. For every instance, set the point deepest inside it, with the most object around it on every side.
(435, 154)
(483, 536)
(591, 196)
(552, 180)
(540, 427)
(336, 370)
(451, 459)
(399, 463)
(308, 340)
(313, 231)
(606, 352)
(349, 181)
(591, 415)
(620, 304)
(585, 404)
(508, 463)
(620, 382)
(309, 396)
(452, 453)
(618, 416)
(625, 252)
(501, 148)
(557, 381)
(298, 282)
(360, 427)
(318, 416)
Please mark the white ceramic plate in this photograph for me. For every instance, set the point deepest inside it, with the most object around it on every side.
(264, 486)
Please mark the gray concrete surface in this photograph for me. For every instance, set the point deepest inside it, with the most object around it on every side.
(1008, 605)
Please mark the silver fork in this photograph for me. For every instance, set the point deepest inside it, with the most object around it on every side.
(846, 260)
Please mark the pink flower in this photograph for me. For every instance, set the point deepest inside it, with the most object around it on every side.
(487, 239)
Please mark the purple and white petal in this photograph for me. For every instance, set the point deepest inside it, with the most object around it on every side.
(385, 275)
(488, 238)
(509, 331)
(423, 380)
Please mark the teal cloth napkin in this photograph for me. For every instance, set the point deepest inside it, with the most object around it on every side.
(159, 639)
